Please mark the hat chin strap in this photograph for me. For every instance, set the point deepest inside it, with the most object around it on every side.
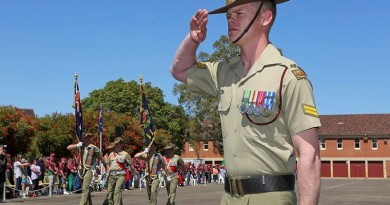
(250, 24)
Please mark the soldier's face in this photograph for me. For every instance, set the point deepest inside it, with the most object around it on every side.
(238, 18)
(87, 141)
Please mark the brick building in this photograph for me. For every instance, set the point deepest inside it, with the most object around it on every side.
(355, 146)
(352, 146)
(204, 151)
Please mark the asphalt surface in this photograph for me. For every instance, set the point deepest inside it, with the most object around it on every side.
(333, 191)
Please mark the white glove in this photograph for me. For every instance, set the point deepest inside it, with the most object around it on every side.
(146, 150)
(80, 144)
(169, 178)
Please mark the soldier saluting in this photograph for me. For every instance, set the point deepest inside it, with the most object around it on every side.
(266, 105)
(90, 154)
(155, 165)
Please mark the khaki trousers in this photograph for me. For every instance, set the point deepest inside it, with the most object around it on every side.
(153, 187)
(269, 198)
(172, 186)
(86, 194)
(115, 188)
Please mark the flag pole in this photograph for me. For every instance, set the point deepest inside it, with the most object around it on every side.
(79, 124)
(101, 127)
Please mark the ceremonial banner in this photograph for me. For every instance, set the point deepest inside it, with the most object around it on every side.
(101, 121)
(79, 124)
(146, 117)
(78, 111)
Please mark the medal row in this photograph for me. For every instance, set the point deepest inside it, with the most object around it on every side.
(257, 103)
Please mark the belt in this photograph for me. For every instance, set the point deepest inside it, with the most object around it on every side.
(174, 174)
(115, 172)
(239, 186)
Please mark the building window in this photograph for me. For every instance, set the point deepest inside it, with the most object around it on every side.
(205, 145)
(339, 143)
(322, 143)
(190, 147)
(357, 143)
(374, 143)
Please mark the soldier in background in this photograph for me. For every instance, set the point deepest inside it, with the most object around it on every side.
(174, 165)
(118, 161)
(90, 154)
(155, 163)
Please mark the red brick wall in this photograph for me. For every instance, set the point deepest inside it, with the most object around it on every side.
(210, 153)
(349, 148)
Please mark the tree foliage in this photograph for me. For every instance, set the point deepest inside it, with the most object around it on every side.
(204, 123)
(57, 131)
(123, 97)
(16, 129)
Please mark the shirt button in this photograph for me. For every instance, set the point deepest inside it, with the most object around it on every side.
(234, 154)
(235, 130)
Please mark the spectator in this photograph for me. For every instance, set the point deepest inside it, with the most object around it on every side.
(71, 174)
(18, 174)
(52, 170)
(215, 174)
(63, 174)
(24, 175)
(3, 167)
(35, 175)
(41, 164)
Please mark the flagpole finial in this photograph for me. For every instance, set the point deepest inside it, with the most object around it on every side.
(141, 78)
(76, 75)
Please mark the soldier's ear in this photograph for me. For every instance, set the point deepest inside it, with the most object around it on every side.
(266, 17)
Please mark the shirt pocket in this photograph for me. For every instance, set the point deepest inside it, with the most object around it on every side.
(224, 103)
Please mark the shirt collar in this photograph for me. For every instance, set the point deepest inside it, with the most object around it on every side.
(270, 55)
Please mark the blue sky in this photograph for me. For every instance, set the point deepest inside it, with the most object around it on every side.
(342, 45)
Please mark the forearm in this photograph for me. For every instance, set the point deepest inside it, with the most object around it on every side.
(185, 57)
(140, 154)
(72, 146)
(309, 179)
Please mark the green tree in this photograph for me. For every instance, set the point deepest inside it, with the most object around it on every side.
(204, 123)
(122, 97)
(16, 130)
(55, 133)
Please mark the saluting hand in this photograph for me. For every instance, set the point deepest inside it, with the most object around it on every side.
(198, 25)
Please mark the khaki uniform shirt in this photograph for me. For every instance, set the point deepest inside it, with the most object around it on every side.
(174, 164)
(121, 156)
(90, 156)
(251, 149)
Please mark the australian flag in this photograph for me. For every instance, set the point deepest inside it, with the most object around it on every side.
(78, 112)
(146, 119)
(101, 121)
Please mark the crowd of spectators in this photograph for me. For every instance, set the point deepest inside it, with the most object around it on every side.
(49, 175)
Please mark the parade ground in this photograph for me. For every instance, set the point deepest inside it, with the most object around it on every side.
(333, 192)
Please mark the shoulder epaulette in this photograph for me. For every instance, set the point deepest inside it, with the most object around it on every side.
(298, 72)
(201, 65)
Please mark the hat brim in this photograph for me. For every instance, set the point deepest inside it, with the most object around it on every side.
(167, 147)
(236, 3)
(88, 135)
